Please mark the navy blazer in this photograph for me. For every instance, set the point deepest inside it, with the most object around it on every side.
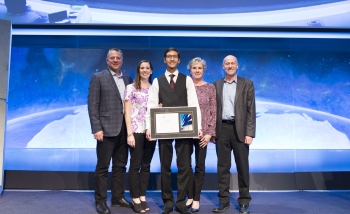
(105, 104)
(245, 112)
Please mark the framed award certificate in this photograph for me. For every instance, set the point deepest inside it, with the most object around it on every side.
(174, 122)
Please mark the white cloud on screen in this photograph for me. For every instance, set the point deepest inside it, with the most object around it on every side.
(72, 131)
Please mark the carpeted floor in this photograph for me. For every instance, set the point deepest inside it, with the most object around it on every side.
(296, 202)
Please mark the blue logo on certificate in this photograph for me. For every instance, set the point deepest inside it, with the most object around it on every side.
(186, 122)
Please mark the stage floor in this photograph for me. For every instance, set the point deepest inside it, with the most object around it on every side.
(301, 202)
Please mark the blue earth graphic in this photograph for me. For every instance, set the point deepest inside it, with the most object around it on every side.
(25, 138)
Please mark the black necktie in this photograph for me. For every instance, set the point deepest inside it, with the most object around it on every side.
(172, 83)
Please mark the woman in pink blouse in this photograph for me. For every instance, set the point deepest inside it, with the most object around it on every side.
(141, 150)
(206, 94)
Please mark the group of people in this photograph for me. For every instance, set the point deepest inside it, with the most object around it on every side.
(119, 112)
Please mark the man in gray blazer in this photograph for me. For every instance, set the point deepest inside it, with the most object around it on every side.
(235, 130)
(106, 112)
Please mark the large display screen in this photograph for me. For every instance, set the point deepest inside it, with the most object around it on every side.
(302, 90)
(284, 13)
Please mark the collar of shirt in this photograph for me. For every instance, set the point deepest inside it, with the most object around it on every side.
(234, 81)
(167, 75)
(114, 74)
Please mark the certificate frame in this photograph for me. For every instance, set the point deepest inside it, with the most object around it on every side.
(166, 125)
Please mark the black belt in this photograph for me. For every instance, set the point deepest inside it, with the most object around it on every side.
(228, 121)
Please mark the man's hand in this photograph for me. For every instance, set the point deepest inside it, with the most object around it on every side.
(200, 134)
(148, 135)
(99, 136)
(248, 140)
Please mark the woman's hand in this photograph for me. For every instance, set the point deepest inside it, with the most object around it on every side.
(131, 141)
(204, 141)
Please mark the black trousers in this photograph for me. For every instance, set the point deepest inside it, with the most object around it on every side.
(196, 179)
(228, 141)
(114, 148)
(182, 148)
(140, 163)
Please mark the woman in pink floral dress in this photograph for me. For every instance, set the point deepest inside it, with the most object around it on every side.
(141, 150)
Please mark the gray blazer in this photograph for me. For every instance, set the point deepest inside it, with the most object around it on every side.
(105, 104)
(245, 116)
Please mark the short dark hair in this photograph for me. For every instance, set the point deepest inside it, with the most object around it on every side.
(137, 80)
(171, 49)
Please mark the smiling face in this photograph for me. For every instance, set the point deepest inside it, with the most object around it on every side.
(230, 65)
(197, 71)
(114, 60)
(145, 70)
(171, 60)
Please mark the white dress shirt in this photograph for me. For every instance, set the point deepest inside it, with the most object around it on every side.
(192, 100)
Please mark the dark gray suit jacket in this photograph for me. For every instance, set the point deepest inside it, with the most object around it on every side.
(245, 118)
(105, 104)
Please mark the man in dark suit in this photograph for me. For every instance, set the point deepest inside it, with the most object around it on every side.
(105, 105)
(235, 130)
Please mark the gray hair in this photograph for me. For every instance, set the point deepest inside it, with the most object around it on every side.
(197, 59)
(115, 49)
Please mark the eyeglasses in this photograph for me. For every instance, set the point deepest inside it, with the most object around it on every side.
(172, 56)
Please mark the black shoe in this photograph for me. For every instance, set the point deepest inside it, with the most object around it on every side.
(167, 210)
(145, 206)
(121, 203)
(137, 207)
(194, 210)
(222, 208)
(183, 210)
(102, 208)
(244, 209)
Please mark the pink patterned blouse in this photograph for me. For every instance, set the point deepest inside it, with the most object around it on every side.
(138, 101)
(207, 102)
